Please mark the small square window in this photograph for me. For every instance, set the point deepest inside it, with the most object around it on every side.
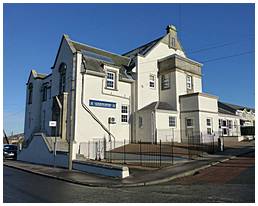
(189, 122)
(152, 81)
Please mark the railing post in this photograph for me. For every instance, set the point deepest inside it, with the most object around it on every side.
(124, 151)
(160, 152)
(140, 152)
(172, 150)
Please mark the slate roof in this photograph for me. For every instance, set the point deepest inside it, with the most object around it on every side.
(117, 59)
(96, 65)
(158, 105)
(142, 49)
(226, 108)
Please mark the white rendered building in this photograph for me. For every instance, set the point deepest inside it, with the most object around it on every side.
(151, 93)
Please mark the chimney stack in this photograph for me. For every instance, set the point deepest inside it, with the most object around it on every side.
(170, 28)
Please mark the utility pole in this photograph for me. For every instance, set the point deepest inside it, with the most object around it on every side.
(70, 160)
(5, 136)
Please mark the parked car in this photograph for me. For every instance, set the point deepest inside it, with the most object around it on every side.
(10, 151)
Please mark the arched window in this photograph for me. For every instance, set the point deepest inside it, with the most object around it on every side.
(62, 71)
(30, 90)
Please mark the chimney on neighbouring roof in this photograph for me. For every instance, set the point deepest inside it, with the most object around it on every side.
(170, 28)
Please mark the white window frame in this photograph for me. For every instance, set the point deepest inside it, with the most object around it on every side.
(189, 82)
(152, 81)
(124, 114)
(209, 126)
(172, 121)
(111, 80)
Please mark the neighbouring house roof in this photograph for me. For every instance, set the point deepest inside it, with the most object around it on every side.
(158, 105)
(226, 108)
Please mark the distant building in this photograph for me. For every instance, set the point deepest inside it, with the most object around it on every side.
(151, 93)
(15, 139)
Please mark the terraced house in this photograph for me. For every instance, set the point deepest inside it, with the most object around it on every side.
(151, 93)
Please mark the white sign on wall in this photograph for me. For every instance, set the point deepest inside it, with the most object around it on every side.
(52, 123)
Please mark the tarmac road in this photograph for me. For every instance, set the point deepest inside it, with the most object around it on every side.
(232, 181)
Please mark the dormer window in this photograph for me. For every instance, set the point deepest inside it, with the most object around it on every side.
(111, 80)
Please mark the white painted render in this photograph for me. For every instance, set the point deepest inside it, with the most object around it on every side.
(82, 86)
(147, 66)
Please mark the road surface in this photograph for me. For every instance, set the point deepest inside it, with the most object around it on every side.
(231, 181)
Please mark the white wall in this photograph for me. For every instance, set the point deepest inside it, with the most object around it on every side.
(164, 131)
(38, 153)
(199, 107)
(86, 128)
(32, 111)
(146, 132)
(148, 65)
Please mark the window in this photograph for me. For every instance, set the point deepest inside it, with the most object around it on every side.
(165, 81)
(111, 80)
(124, 115)
(189, 82)
(62, 71)
(220, 123)
(44, 93)
(235, 124)
(209, 126)
(152, 81)
(172, 121)
(140, 122)
(189, 122)
(229, 124)
(208, 122)
(224, 123)
(209, 131)
(30, 93)
(173, 42)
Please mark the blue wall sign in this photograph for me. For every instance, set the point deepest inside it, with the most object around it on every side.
(97, 103)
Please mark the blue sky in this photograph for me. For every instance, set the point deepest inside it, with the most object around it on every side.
(32, 33)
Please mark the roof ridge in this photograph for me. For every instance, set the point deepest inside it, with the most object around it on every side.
(83, 44)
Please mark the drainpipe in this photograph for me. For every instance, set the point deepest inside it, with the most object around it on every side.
(89, 111)
(72, 112)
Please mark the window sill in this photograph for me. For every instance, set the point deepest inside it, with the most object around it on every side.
(115, 89)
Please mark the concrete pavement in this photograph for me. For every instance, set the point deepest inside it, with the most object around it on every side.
(138, 177)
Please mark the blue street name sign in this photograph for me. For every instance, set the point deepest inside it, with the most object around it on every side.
(97, 103)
